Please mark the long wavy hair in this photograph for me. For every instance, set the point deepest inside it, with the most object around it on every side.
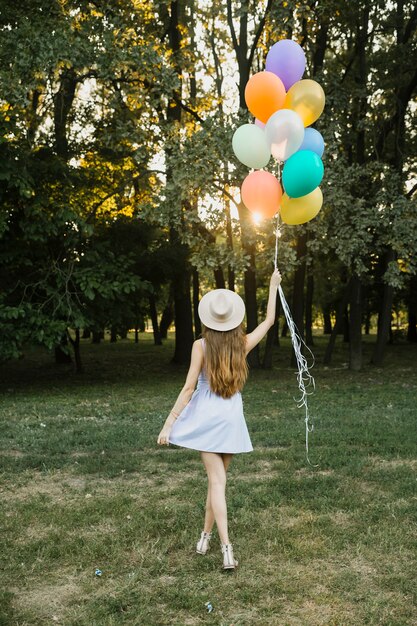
(225, 360)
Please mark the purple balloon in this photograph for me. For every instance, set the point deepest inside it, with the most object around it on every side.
(287, 60)
(259, 123)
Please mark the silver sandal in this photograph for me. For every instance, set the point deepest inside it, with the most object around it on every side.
(203, 543)
(229, 562)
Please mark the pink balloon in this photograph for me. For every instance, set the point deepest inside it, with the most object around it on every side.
(261, 193)
(259, 123)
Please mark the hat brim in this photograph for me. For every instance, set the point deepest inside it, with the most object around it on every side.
(236, 318)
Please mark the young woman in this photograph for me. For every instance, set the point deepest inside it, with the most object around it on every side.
(210, 418)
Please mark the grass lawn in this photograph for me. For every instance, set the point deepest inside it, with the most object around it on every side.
(84, 486)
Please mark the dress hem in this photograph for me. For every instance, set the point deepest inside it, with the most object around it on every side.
(180, 445)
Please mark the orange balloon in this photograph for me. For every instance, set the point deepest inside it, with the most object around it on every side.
(261, 193)
(264, 94)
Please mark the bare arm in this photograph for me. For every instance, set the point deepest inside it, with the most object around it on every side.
(253, 338)
(186, 392)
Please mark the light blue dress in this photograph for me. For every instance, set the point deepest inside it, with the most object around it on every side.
(211, 423)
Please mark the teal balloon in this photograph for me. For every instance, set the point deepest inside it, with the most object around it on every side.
(302, 173)
(250, 146)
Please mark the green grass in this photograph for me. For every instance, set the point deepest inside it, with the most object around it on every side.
(84, 486)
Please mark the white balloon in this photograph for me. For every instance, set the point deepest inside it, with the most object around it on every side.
(284, 133)
(250, 146)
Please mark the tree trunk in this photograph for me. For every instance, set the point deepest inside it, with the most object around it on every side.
(182, 278)
(309, 310)
(184, 336)
(384, 317)
(249, 247)
(327, 320)
(63, 100)
(346, 329)
(367, 307)
(86, 333)
(76, 346)
(97, 335)
(284, 331)
(113, 334)
(412, 311)
(355, 325)
(219, 278)
(276, 336)
(298, 290)
(61, 357)
(154, 318)
(136, 334)
(229, 237)
(338, 325)
(271, 336)
(167, 315)
(196, 300)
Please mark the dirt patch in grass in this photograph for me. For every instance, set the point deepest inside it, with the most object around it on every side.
(12, 453)
(80, 454)
(48, 601)
(367, 488)
(62, 485)
(305, 471)
(381, 463)
(260, 470)
(310, 612)
(37, 484)
(341, 518)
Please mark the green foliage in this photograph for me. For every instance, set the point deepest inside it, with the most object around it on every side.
(103, 118)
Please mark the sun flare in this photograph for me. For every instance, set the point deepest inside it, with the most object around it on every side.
(256, 218)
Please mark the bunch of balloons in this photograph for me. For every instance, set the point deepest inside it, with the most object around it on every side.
(284, 107)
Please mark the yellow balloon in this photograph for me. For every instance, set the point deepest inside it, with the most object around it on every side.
(306, 97)
(301, 210)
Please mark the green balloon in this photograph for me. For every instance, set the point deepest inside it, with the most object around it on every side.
(302, 173)
(250, 146)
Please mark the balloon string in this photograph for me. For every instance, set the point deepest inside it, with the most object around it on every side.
(278, 227)
(277, 236)
(304, 378)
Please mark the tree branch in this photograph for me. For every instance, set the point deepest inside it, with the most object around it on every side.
(403, 97)
(231, 26)
(411, 25)
(259, 32)
(186, 108)
(217, 64)
(226, 193)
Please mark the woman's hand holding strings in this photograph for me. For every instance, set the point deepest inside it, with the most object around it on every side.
(275, 280)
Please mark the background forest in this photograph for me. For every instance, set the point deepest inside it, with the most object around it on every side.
(119, 208)
(120, 197)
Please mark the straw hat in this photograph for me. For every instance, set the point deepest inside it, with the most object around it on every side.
(221, 309)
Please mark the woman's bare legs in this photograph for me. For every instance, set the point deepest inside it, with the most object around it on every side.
(216, 465)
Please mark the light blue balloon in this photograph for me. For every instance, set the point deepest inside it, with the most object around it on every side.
(302, 173)
(312, 141)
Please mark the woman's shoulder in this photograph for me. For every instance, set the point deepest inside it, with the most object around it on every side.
(199, 345)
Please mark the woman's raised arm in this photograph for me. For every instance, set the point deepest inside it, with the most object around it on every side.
(253, 338)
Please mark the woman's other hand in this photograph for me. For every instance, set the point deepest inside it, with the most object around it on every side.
(275, 279)
(163, 438)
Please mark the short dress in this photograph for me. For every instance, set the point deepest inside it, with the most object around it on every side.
(210, 423)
